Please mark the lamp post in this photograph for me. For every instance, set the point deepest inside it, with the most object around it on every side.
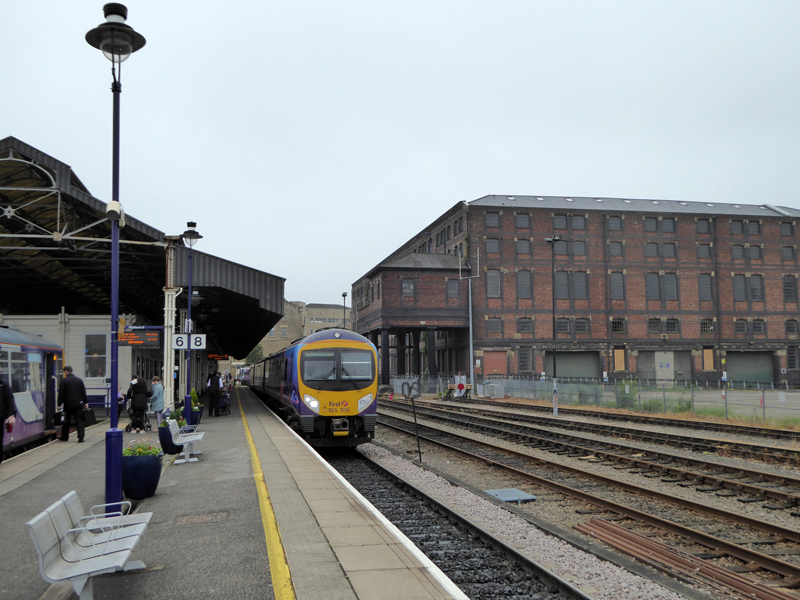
(552, 241)
(344, 311)
(191, 237)
(117, 41)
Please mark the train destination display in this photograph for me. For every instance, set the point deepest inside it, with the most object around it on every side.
(142, 337)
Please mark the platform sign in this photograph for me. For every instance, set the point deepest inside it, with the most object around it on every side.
(218, 357)
(182, 340)
(142, 338)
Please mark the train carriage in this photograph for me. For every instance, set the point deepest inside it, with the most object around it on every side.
(324, 386)
(29, 364)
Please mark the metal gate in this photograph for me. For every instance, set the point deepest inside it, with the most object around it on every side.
(749, 366)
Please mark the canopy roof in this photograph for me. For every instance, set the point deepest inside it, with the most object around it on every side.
(55, 252)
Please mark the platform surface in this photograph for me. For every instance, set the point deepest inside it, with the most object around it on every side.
(208, 536)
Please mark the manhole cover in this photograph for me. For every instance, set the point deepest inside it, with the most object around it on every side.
(200, 519)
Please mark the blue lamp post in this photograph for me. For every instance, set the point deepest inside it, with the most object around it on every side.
(191, 237)
(117, 41)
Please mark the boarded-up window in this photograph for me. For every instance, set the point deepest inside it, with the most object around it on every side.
(562, 284)
(703, 251)
(615, 223)
(492, 246)
(756, 288)
(523, 284)
(704, 288)
(669, 251)
(787, 253)
(523, 246)
(619, 359)
(453, 288)
(739, 290)
(737, 252)
(753, 227)
(493, 283)
(754, 252)
(492, 219)
(561, 248)
(652, 290)
(708, 359)
(579, 248)
(651, 249)
(787, 229)
(523, 221)
(650, 224)
(703, 226)
(615, 249)
(737, 228)
(494, 326)
(580, 285)
(670, 286)
(616, 283)
(524, 361)
(559, 221)
(668, 225)
(578, 222)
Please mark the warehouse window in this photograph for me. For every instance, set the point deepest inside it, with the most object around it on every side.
(737, 252)
(494, 325)
(493, 283)
(740, 326)
(562, 325)
(615, 223)
(787, 229)
(617, 325)
(737, 228)
(650, 224)
(754, 253)
(562, 284)
(524, 361)
(523, 246)
(579, 248)
(703, 226)
(704, 287)
(581, 325)
(791, 326)
(756, 288)
(523, 221)
(616, 284)
(578, 222)
(615, 249)
(559, 221)
(561, 248)
(669, 251)
(789, 288)
(408, 288)
(524, 326)
(492, 219)
(759, 326)
(703, 250)
(668, 225)
(654, 326)
(670, 286)
(492, 246)
(580, 285)
(792, 358)
(753, 228)
(707, 326)
(652, 288)
(672, 326)
(651, 249)
(523, 284)
(453, 288)
(787, 253)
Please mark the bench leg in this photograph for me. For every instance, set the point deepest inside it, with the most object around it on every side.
(187, 455)
(135, 565)
(83, 588)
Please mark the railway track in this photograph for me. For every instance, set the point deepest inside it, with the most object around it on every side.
(631, 417)
(481, 565)
(762, 452)
(697, 542)
(774, 491)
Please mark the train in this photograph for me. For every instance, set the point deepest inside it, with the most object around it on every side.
(31, 364)
(324, 386)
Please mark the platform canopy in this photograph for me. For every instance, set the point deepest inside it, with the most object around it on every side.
(55, 252)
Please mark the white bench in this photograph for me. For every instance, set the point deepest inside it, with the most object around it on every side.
(76, 554)
(98, 519)
(186, 439)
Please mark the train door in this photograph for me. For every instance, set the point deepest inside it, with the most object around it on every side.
(52, 367)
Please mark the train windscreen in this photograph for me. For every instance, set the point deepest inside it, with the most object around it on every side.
(356, 365)
(337, 368)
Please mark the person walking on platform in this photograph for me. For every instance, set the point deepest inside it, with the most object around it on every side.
(214, 389)
(71, 399)
(8, 409)
(138, 397)
(157, 398)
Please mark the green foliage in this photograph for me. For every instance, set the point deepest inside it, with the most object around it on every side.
(256, 354)
(196, 400)
(174, 415)
(653, 406)
(142, 448)
(683, 406)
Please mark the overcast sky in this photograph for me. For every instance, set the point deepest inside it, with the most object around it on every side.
(311, 139)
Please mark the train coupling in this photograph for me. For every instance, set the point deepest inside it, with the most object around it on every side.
(341, 427)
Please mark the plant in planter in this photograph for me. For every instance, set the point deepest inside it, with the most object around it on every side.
(141, 469)
(197, 408)
(165, 435)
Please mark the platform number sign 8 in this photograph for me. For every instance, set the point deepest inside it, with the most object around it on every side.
(198, 341)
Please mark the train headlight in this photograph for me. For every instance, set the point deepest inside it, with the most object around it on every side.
(311, 402)
(364, 402)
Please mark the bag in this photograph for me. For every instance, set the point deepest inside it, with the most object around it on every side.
(58, 418)
(88, 416)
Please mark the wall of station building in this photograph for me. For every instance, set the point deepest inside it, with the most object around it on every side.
(640, 294)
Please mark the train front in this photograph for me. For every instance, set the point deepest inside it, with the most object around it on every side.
(337, 388)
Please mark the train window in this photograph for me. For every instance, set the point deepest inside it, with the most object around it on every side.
(356, 365)
(319, 365)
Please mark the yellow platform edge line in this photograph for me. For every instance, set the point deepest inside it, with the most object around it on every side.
(278, 565)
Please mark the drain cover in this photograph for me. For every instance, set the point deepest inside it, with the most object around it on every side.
(511, 495)
(200, 519)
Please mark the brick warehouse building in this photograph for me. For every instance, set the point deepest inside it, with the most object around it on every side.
(652, 289)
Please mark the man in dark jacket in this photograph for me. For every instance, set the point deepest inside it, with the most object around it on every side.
(72, 399)
(7, 409)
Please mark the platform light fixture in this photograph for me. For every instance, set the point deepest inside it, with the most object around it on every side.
(552, 241)
(117, 41)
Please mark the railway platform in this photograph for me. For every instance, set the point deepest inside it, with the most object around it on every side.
(258, 516)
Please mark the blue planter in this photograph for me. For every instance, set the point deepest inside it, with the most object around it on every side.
(196, 415)
(165, 438)
(140, 476)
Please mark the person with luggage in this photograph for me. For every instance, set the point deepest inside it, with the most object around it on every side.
(137, 394)
(72, 400)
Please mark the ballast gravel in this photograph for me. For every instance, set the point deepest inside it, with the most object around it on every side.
(596, 577)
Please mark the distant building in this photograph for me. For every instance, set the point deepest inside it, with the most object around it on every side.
(644, 288)
(299, 320)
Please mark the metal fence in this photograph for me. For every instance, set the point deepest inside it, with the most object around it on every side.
(749, 400)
